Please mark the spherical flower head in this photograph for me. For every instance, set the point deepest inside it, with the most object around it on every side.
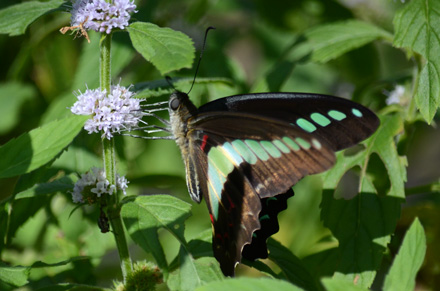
(110, 114)
(94, 184)
(100, 15)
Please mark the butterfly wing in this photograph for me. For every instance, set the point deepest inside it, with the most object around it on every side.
(339, 122)
(240, 159)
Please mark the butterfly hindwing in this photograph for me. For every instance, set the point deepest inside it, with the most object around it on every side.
(239, 169)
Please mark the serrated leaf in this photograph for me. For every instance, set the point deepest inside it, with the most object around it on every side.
(333, 40)
(145, 215)
(409, 259)
(166, 49)
(428, 90)
(382, 143)
(417, 27)
(363, 227)
(39, 146)
(193, 273)
(16, 18)
(249, 284)
(12, 97)
(363, 224)
(291, 266)
(16, 276)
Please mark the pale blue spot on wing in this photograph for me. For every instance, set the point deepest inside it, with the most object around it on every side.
(320, 119)
(306, 125)
(291, 143)
(244, 151)
(303, 143)
(232, 154)
(279, 144)
(257, 149)
(337, 115)
(270, 148)
(356, 112)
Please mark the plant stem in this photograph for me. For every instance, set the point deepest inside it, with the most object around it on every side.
(112, 206)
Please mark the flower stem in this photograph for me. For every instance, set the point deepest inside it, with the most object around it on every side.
(108, 147)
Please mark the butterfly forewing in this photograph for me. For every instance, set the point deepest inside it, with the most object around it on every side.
(339, 122)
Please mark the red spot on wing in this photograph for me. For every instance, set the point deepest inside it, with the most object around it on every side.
(230, 202)
(212, 218)
(203, 145)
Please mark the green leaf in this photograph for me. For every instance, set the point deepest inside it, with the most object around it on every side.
(336, 284)
(403, 272)
(363, 224)
(145, 215)
(12, 96)
(16, 276)
(39, 146)
(291, 266)
(16, 18)
(193, 273)
(249, 284)
(166, 49)
(417, 27)
(63, 185)
(363, 227)
(382, 143)
(330, 41)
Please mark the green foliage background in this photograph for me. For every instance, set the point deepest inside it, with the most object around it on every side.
(354, 49)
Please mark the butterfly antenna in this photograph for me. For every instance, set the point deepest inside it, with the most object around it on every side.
(200, 56)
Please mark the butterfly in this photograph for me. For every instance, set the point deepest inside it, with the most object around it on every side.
(244, 153)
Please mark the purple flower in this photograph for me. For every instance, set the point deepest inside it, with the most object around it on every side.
(101, 16)
(111, 114)
(94, 184)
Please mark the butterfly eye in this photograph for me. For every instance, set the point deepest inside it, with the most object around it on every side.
(174, 104)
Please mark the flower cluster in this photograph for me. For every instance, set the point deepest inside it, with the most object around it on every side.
(94, 183)
(100, 15)
(113, 113)
(396, 96)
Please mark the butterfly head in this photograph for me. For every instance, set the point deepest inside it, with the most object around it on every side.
(180, 109)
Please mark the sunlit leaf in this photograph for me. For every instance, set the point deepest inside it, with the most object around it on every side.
(336, 284)
(39, 146)
(403, 271)
(16, 276)
(417, 27)
(145, 215)
(166, 49)
(194, 272)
